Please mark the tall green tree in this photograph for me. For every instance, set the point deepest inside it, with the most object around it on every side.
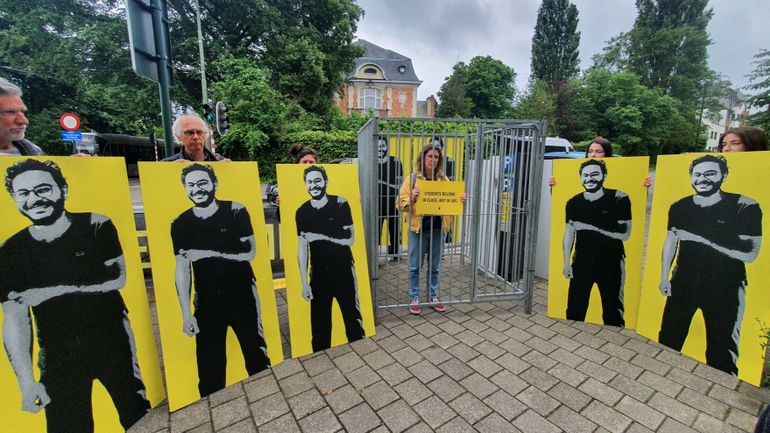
(666, 47)
(760, 82)
(555, 55)
(454, 101)
(489, 84)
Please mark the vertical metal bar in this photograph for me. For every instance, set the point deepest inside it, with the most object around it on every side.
(476, 207)
(536, 174)
(366, 178)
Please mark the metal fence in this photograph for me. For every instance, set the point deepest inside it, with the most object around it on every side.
(489, 252)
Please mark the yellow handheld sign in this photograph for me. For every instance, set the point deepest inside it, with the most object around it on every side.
(440, 198)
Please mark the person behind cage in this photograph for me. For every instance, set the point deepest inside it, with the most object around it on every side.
(598, 221)
(67, 269)
(391, 173)
(426, 232)
(325, 235)
(214, 241)
(712, 234)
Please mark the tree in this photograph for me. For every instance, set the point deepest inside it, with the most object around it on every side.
(555, 55)
(489, 85)
(760, 81)
(454, 101)
(538, 103)
(666, 47)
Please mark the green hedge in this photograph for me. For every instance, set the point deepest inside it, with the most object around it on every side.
(330, 145)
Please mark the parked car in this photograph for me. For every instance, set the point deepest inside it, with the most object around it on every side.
(559, 148)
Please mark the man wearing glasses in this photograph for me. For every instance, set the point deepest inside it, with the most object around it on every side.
(67, 269)
(191, 131)
(13, 122)
(712, 234)
(213, 242)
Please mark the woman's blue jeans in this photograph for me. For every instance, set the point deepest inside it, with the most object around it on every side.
(428, 243)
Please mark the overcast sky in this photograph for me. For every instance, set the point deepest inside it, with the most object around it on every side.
(435, 34)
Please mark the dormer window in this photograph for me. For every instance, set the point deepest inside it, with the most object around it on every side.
(401, 69)
(370, 71)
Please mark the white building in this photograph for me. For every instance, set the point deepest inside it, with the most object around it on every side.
(733, 112)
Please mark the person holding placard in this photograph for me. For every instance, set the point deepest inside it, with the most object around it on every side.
(426, 232)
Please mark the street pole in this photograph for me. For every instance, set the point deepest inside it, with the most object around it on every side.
(164, 78)
(204, 89)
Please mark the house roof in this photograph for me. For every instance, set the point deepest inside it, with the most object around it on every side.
(388, 60)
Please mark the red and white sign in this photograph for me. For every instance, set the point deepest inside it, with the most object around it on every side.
(69, 122)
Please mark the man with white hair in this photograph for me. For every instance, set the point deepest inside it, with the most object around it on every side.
(191, 131)
(13, 122)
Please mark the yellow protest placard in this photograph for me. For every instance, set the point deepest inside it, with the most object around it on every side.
(439, 198)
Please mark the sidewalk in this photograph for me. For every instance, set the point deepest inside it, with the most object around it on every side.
(486, 367)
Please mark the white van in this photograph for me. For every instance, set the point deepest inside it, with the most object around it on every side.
(556, 144)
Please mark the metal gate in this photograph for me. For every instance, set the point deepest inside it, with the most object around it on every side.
(489, 253)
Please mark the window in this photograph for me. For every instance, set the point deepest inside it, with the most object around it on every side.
(370, 71)
(370, 98)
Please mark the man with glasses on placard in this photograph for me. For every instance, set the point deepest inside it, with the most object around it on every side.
(191, 131)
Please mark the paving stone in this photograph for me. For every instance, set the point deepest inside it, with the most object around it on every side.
(564, 329)
(515, 347)
(570, 396)
(751, 391)
(638, 428)
(419, 342)
(497, 324)
(362, 377)
(456, 369)
(484, 366)
(343, 399)
(539, 344)
(475, 325)
(456, 425)
(690, 380)
(191, 416)
(420, 427)
(436, 355)
(617, 351)
(470, 408)
(318, 364)
(425, 371)
(398, 416)
(287, 368)
(673, 408)
(640, 412)
(268, 409)
(660, 383)
(509, 382)
(598, 372)
(243, 426)
(444, 340)
(469, 337)
(571, 421)
(360, 419)
(403, 331)
(735, 399)
(494, 423)
(539, 378)
(306, 403)
(671, 425)
(742, 420)
(348, 362)
(364, 346)
(623, 367)
(612, 335)
(592, 354)
(565, 342)
(156, 420)
(203, 428)
(226, 394)
(566, 357)
(531, 422)
(704, 403)
(541, 333)
(322, 421)
(568, 375)
(600, 391)
(230, 412)
(650, 364)
(539, 360)
(716, 376)
(379, 395)
(434, 412)
(512, 363)
(589, 340)
(296, 384)
(394, 374)
(451, 327)
(589, 328)
(377, 359)
(446, 388)
(329, 380)
(391, 344)
(537, 400)
(676, 359)
(643, 347)
(632, 388)
(463, 352)
(505, 405)
(520, 322)
(606, 417)
(707, 424)
(478, 385)
(413, 391)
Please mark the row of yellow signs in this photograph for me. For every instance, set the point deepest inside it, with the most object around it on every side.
(178, 213)
(702, 287)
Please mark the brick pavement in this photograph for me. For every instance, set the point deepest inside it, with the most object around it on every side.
(486, 367)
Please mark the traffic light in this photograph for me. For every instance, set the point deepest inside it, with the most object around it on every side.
(208, 113)
(221, 113)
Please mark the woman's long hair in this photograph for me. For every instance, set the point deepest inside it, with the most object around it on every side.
(420, 162)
